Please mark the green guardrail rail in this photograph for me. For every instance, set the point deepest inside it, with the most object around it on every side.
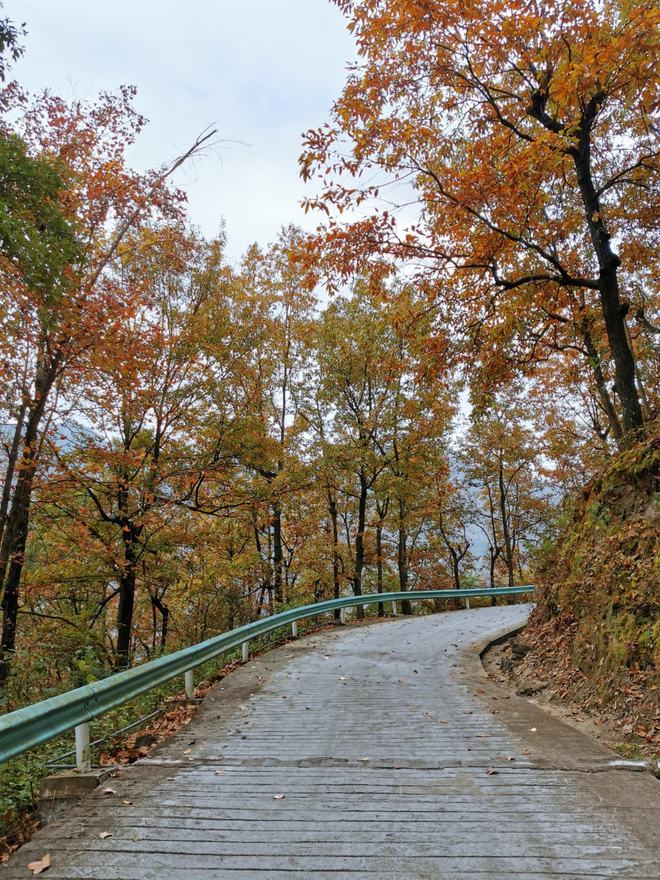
(38, 723)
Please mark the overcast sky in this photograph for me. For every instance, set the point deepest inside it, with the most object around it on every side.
(260, 71)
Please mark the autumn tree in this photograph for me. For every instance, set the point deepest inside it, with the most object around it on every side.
(525, 134)
(377, 403)
(354, 372)
(132, 457)
(60, 308)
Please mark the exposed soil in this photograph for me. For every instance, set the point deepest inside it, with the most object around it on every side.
(521, 665)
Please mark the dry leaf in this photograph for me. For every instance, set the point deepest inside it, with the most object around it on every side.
(105, 834)
(109, 791)
(127, 803)
(40, 865)
(491, 772)
(278, 797)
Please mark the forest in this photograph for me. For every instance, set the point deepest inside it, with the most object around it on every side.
(452, 382)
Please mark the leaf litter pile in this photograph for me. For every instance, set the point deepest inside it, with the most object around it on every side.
(538, 665)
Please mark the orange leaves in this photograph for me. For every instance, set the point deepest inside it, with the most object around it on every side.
(489, 112)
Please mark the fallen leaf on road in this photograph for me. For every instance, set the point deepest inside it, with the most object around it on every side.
(40, 865)
(127, 803)
(219, 773)
(533, 729)
(105, 834)
(278, 797)
(109, 791)
(491, 772)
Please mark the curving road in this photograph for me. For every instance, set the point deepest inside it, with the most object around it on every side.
(366, 752)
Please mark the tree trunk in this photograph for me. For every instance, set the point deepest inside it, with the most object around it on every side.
(456, 569)
(614, 312)
(506, 533)
(494, 554)
(126, 604)
(605, 399)
(14, 539)
(165, 615)
(277, 552)
(11, 465)
(359, 541)
(402, 557)
(336, 589)
(379, 565)
(11, 593)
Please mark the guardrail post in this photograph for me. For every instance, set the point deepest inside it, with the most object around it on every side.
(342, 615)
(245, 651)
(294, 629)
(394, 608)
(83, 754)
(467, 602)
(189, 684)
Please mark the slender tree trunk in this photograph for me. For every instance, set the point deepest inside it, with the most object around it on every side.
(359, 540)
(11, 466)
(14, 539)
(125, 607)
(336, 587)
(456, 569)
(277, 552)
(127, 580)
(402, 557)
(165, 615)
(506, 533)
(379, 565)
(11, 593)
(494, 554)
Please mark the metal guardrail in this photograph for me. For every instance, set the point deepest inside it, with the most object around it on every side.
(38, 723)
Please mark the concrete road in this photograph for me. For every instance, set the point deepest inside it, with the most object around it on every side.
(366, 752)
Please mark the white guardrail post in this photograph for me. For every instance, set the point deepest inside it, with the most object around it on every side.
(83, 753)
(467, 602)
(245, 651)
(294, 629)
(189, 681)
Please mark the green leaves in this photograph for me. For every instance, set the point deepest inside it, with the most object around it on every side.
(35, 234)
